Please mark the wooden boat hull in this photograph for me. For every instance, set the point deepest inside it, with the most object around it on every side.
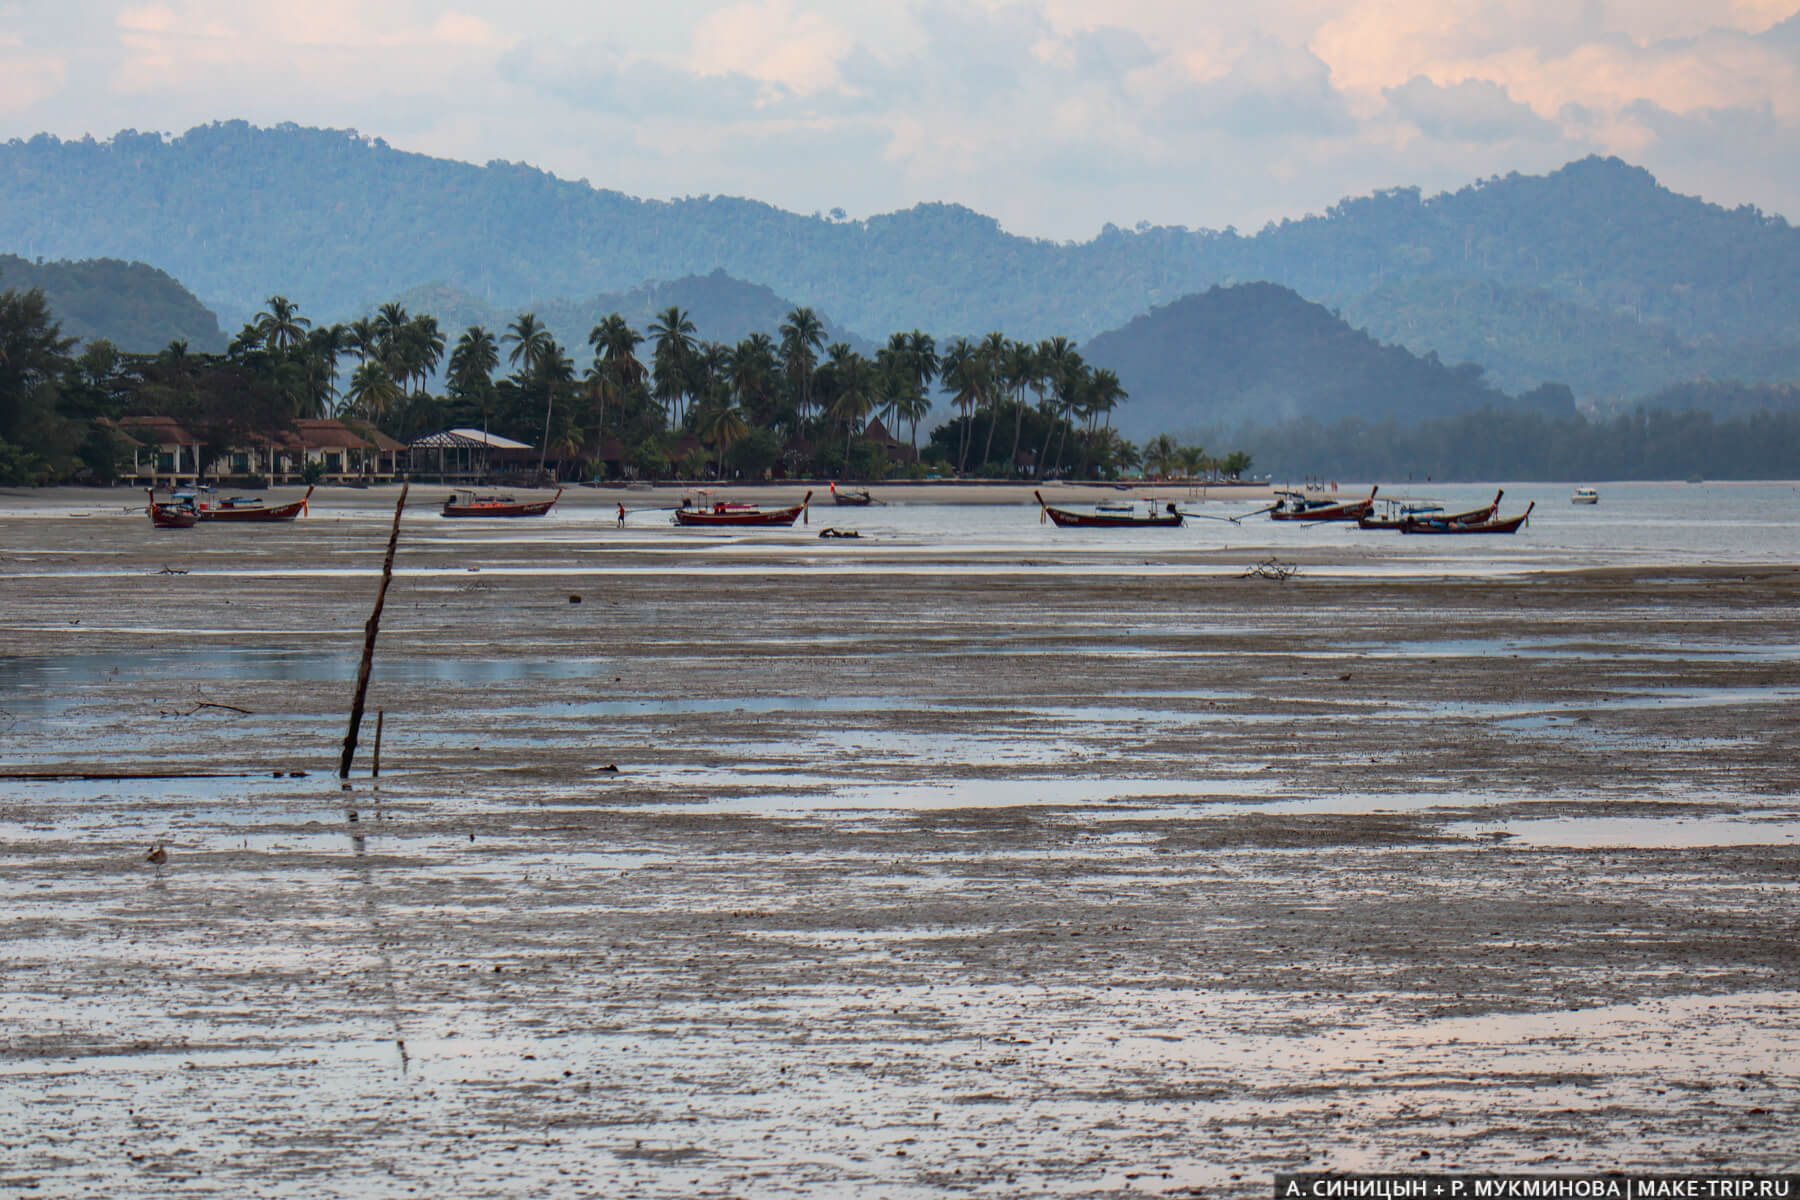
(778, 516)
(729, 517)
(1472, 517)
(173, 518)
(1510, 525)
(524, 508)
(1349, 510)
(1063, 518)
(258, 511)
(853, 499)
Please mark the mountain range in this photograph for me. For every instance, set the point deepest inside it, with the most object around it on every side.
(1593, 275)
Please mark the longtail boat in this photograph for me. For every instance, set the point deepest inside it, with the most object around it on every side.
(207, 505)
(1509, 525)
(860, 497)
(726, 512)
(1111, 516)
(466, 503)
(1401, 515)
(176, 514)
(1298, 506)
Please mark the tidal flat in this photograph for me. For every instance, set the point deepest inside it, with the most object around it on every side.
(765, 866)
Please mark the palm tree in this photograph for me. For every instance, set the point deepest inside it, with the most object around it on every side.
(960, 372)
(472, 362)
(472, 365)
(1022, 371)
(721, 425)
(615, 341)
(281, 326)
(324, 346)
(1160, 453)
(855, 379)
(363, 338)
(993, 354)
(554, 370)
(673, 334)
(373, 392)
(802, 334)
(531, 344)
(1102, 394)
(421, 347)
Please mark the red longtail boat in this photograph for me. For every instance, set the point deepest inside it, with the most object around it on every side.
(466, 503)
(1122, 516)
(246, 508)
(725, 512)
(178, 514)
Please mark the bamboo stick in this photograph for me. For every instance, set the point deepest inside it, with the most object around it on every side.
(369, 631)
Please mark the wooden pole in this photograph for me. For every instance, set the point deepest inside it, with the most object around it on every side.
(375, 767)
(369, 632)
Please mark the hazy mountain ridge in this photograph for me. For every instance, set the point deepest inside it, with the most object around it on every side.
(1253, 356)
(136, 307)
(334, 219)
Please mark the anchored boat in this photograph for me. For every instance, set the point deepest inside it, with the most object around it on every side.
(466, 503)
(726, 512)
(1113, 516)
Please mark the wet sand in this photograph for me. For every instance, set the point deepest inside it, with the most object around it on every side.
(1042, 880)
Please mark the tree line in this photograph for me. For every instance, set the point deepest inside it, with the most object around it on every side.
(647, 403)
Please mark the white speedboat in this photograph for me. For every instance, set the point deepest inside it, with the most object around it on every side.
(1585, 495)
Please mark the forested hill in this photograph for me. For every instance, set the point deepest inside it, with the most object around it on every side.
(723, 310)
(240, 213)
(137, 308)
(1257, 355)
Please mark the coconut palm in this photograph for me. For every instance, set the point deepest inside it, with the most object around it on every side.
(373, 392)
(554, 370)
(616, 342)
(802, 334)
(324, 346)
(993, 354)
(281, 325)
(673, 335)
(363, 338)
(1160, 454)
(472, 362)
(854, 376)
(531, 344)
(721, 425)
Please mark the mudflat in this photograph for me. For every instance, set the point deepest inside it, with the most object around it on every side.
(760, 865)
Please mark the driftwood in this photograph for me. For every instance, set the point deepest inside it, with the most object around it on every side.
(207, 704)
(369, 631)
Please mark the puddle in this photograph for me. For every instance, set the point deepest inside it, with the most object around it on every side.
(1636, 833)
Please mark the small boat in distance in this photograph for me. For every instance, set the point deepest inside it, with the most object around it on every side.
(1585, 495)
(727, 512)
(1509, 525)
(859, 497)
(1298, 506)
(465, 502)
(1113, 515)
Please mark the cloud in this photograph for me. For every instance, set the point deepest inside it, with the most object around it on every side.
(1271, 90)
(1474, 110)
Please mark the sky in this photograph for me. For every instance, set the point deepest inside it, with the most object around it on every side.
(1054, 116)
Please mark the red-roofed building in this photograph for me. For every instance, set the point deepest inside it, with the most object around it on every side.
(162, 452)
